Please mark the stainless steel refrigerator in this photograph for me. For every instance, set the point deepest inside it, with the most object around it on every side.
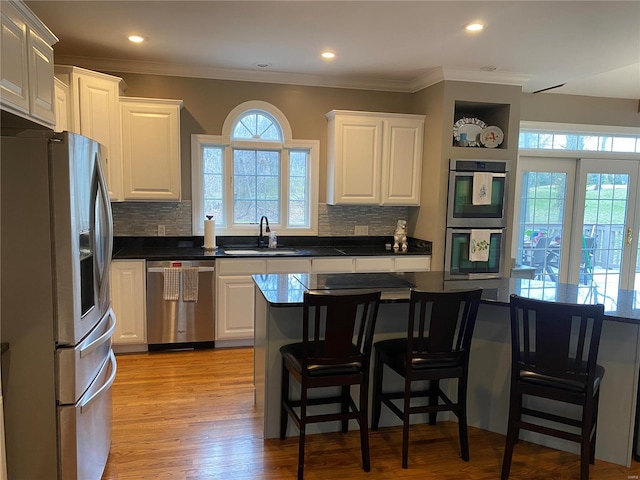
(56, 245)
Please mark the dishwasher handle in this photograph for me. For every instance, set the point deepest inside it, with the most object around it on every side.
(161, 269)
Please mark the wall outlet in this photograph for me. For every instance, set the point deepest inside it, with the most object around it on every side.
(361, 230)
(161, 231)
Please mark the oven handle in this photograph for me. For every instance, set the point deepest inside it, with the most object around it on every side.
(161, 269)
(105, 337)
(469, 173)
(107, 384)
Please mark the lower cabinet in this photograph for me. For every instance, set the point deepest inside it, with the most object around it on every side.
(128, 300)
(236, 294)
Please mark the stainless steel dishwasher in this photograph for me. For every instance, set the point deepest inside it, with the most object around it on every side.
(180, 304)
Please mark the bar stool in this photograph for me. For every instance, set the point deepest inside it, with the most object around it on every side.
(436, 348)
(554, 351)
(335, 351)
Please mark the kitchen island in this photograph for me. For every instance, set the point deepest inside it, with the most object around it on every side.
(278, 321)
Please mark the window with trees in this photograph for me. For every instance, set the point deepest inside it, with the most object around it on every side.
(253, 169)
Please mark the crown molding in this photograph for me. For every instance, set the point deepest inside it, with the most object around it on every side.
(425, 80)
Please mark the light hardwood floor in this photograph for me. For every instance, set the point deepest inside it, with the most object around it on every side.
(189, 416)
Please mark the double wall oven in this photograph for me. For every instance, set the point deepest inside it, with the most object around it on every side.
(469, 217)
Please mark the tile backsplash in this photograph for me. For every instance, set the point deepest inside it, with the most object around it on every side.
(141, 219)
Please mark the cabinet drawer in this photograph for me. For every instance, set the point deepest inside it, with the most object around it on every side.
(413, 263)
(241, 267)
(374, 264)
(288, 265)
(332, 265)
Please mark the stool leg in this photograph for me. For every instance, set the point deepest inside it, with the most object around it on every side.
(364, 426)
(344, 406)
(284, 395)
(303, 428)
(512, 432)
(377, 390)
(462, 419)
(434, 388)
(405, 423)
(592, 457)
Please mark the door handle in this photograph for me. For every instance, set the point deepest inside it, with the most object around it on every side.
(629, 237)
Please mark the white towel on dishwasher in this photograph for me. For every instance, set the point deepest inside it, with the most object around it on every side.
(190, 284)
(479, 242)
(171, 290)
(482, 185)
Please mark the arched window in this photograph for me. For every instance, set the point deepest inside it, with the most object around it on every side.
(253, 169)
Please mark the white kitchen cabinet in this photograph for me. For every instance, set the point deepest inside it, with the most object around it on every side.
(94, 107)
(374, 158)
(150, 149)
(128, 300)
(26, 85)
(61, 94)
(235, 300)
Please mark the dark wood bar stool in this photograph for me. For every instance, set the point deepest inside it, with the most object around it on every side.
(436, 348)
(554, 351)
(335, 352)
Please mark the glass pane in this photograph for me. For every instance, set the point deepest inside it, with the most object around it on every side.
(603, 230)
(541, 222)
(212, 183)
(256, 185)
(298, 188)
(258, 126)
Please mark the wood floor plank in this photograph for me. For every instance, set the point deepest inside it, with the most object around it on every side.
(190, 415)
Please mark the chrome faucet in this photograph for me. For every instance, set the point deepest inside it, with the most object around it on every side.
(267, 230)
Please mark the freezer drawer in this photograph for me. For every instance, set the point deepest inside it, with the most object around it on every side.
(79, 365)
(85, 428)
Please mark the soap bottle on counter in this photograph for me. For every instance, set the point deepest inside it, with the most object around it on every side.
(273, 239)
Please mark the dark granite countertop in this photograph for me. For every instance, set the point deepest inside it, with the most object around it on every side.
(282, 290)
(190, 248)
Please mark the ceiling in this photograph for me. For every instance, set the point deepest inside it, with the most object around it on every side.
(593, 47)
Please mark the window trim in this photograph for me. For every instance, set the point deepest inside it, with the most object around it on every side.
(198, 141)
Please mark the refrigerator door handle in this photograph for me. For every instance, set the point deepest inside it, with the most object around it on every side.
(104, 193)
(106, 386)
(105, 337)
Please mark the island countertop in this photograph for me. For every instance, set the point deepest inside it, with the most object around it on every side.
(282, 290)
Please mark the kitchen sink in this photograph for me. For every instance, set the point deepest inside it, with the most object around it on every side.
(272, 251)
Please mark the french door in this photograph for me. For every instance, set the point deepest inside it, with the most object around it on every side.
(578, 221)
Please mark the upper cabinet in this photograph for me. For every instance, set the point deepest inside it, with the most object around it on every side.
(26, 85)
(61, 95)
(94, 109)
(374, 158)
(150, 148)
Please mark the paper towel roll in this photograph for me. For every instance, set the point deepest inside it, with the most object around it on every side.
(209, 234)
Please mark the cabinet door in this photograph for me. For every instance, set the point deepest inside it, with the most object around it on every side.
(61, 92)
(15, 60)
(357, 159)
(150, 149)
(128, 287)
(98, 115)
(402, 161)
(41, 91)
(235, 314)
(374, 264)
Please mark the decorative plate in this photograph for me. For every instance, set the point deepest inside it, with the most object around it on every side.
(491, 137)
(471, 126)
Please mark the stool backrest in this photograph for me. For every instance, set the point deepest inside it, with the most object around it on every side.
(441, 324)
(555, 339)
(338, 327)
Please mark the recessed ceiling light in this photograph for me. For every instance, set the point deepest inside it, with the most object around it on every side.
(136, 38)
(328, 55)
(474, 27)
